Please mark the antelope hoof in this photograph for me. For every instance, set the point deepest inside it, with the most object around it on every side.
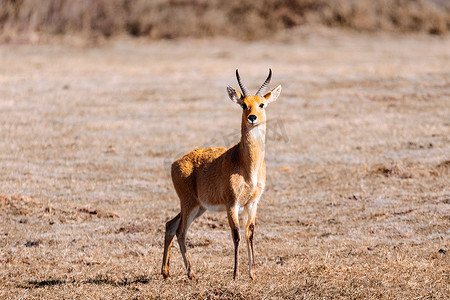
(165, 275)
(191, 275)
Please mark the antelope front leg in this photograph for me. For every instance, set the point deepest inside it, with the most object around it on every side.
(250, 213)
(233, 219)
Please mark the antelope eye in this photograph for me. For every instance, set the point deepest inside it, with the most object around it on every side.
(244, 106)
(261, 105)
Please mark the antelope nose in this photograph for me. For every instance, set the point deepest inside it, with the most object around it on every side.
(252, 118)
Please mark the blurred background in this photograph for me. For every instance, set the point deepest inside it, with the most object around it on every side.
(241, 19)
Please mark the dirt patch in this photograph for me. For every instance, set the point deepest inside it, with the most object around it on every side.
(130, 229)
(405, 171)
(97, 212)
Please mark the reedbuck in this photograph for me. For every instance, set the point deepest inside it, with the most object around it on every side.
(224, 179)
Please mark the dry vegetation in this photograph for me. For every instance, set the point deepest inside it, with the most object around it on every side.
(243, 19)
(357, 201)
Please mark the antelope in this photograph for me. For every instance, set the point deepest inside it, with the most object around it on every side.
(220, 179)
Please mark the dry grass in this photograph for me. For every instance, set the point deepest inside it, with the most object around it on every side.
(357, 201)
(243, 19)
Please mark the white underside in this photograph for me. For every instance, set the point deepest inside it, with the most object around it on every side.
(216, 207)
(213, 207)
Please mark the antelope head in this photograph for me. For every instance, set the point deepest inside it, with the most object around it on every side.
(253, 106)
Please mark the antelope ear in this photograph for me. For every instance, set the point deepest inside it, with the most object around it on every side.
(234, 95)
(272, 96)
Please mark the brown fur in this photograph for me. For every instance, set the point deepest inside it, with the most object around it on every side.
(222, 179)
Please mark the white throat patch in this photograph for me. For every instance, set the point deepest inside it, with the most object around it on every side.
(257, 133)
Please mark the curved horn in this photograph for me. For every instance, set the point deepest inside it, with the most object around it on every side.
(244, 89)
(263, 88)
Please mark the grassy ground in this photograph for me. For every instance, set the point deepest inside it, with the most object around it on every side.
(357, 201)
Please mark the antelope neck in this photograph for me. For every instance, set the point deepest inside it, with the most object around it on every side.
(252, 146)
